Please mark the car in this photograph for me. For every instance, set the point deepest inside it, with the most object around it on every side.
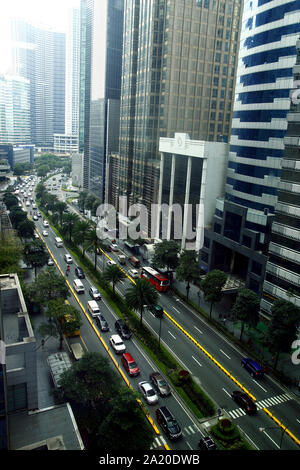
(114, 247)
(79, 272)
(50, 262)
(94, 293)
(133, 273)
(255, 369)
(148, 393)
(206, 443)
(68, 258)
(102, 323)
(244, 401)
(45, 233)
(45, 223)
(160, 384)
(27, 203)
(35, 235)
(35, 217)
(117, 344)
(130, 365)
(123, 329)
(39, 214)
(110, 262)
(168, 422)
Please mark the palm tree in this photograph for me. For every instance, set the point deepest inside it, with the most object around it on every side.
(60, 208)
(114, 275)
(69, 221)
(140, 294)
(94, 244)
(81, 230)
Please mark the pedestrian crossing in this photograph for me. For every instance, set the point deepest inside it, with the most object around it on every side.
(267, 403)
(159, 441)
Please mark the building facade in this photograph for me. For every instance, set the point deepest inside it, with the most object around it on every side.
(39, 56)
(14, 110)
(283, 265)
(179, 64)
(102, 77)
(238, 237)
(72, 73)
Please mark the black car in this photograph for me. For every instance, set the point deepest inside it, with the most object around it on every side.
(168, 423)
(102, 323)
(123, 329)
(244, 401)
(207, 444)
(79, 272)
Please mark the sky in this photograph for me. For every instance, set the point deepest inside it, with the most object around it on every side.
(53, 13)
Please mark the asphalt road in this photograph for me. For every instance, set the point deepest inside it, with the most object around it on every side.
(212, 379)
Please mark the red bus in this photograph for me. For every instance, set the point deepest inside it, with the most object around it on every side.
(160, 282)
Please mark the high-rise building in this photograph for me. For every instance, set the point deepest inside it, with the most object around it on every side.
(283, 265)
(14, 110)
(179, 64)
(39, 56)
(102, 26)
(72, 73)
(238, 238)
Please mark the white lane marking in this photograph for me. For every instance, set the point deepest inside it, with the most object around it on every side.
(174, 308)
(271, 439)
(260, 386)
(197, 361)
(201, 332)
(226, 392)
(171, 334)
(225, 354)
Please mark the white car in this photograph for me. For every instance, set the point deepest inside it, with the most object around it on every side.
(133, 273)
(117, 344)
(114, 247)
(50, 262)
(110, 262)
(68, 258)
(45, 233)
(27, 203)
(36, 235)
(148, 393)
(35, 217)
(45, 223)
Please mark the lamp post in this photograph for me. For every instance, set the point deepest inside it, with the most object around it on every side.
(275, 427)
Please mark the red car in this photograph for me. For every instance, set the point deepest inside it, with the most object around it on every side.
(130, 365)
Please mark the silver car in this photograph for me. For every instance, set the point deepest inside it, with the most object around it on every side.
(148, 393)
(94, 293)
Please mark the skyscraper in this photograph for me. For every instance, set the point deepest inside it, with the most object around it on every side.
(72, 73)
(39, 56)
(179, 63)
(14, 110)
(238, 238)
(102, 24)
(283, 266)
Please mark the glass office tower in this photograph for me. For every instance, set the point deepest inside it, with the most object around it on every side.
(179, 64)
(39, 56)
(238, 239)
(103, 60)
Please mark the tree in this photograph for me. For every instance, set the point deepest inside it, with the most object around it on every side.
(212, 286)
(188, 268)
(17, 215)
(140, 294)
(125, 424)
(94, 244)
(43, 170)
(35, 254)
(10, 200)
(246, 309)
(82, 200)
(166, 254)
(56, 325)
(114, 275)
(60, 207)
(69, 222)
(81, 229)
(26, 229)
(48, 286)
(282, 328)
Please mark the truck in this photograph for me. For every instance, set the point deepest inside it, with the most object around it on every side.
(58, 363)
(147, 252)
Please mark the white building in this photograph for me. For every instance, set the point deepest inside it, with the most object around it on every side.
(192, 176)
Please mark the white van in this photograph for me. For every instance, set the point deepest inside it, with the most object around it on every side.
(58, 242)
(77, 351)
(93, 308)
(78, 286)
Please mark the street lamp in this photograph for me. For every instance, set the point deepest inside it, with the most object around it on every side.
(275, 427)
